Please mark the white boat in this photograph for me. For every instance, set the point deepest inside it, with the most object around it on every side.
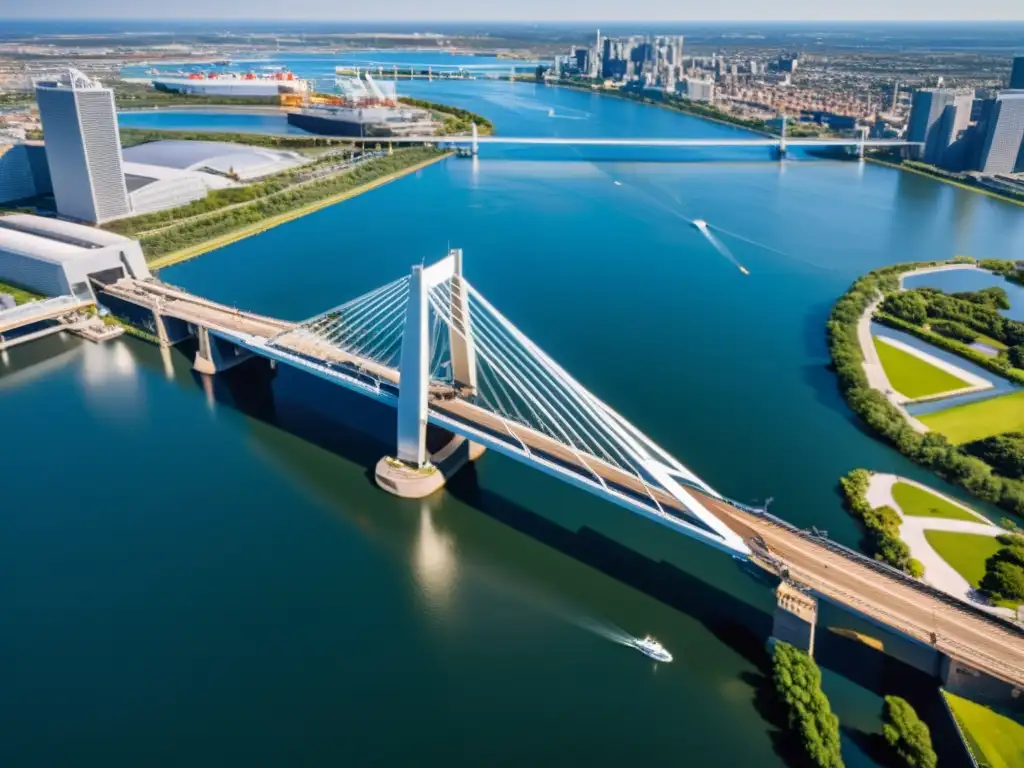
(651, 647)
(701, 225)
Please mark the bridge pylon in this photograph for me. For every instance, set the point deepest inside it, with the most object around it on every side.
(412, 472)
(474, 148)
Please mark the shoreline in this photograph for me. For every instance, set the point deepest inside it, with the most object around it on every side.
(661, 105)
(940, 179)
(176, 257)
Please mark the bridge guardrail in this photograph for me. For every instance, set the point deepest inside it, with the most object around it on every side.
(886, 569)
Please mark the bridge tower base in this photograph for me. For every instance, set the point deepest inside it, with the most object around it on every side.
(796, 613)
(214, 355)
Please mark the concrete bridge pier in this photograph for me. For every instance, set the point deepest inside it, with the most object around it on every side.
(215, 355)
(413, 473)
(796, 614)
(170, 330)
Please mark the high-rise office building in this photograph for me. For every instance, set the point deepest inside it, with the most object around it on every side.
(83, 148)
(937, 117)
(1002, 148)
(1017, 74)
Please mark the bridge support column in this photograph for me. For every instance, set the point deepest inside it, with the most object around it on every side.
(796, 613)
(169, 330)
(214, 356)
(412, 473)
(474, 148)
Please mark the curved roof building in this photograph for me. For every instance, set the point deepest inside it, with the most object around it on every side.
(217, 157)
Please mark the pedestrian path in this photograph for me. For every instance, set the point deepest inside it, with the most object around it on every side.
(937, 572)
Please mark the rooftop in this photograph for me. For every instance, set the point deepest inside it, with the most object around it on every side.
(64, 232)
(215, 156)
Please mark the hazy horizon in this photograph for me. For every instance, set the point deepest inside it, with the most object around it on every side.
(528, 11)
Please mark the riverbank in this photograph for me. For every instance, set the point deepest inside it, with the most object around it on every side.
(206, 246)
(951, 182)
(670, 106)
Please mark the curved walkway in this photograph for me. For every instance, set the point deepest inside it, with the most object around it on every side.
(877, 378)
(937, 571)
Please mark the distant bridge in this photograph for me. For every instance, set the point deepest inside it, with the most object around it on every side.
(781, 144)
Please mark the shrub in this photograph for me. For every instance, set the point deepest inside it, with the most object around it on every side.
(1004, 453)
(1004, 580)
(907, 305)
(797, 682)
(906, 734)
(1015, 355)
(954, 330)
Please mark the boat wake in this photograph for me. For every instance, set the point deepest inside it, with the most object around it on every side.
(719, 246)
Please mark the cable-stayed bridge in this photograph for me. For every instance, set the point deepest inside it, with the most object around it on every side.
(433, 347)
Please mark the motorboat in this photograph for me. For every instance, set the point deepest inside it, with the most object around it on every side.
(651, 647)
(701, 225)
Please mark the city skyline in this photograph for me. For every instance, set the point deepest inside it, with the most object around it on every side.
(537, 11)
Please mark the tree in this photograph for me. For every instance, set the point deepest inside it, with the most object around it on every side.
(907, 305)
(798, 684)
(906, 734)
(1004, 580)
(1016, 356)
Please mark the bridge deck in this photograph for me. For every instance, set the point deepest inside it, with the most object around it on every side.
(960, 632)
(38, 311)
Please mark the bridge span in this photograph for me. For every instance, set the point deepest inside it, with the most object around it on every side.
(431, 346)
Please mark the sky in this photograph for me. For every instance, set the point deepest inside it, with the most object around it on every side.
(526, 10)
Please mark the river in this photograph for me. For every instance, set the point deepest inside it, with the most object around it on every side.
(203, 572)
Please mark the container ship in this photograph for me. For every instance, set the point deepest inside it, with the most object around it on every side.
(232, 84)
(365, 109)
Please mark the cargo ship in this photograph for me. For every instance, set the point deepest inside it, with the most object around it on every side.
(365, 109)
(232, 84)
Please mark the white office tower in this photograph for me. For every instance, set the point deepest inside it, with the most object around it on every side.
(83, 148)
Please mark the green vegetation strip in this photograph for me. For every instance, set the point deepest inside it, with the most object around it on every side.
(978, 420)
(912, 376)
(995, 740)
(21, 295)
(882, 524)
(966, 553)
(917, 502)
(907, 736)
(798, 685)
(931, 450)
(195, 238)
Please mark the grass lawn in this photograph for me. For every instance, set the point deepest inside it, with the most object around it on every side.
(985, 418)
(21, 295)
(996, 741)
(918, 502)
(965, 552)
(913, 377)
(988, 341)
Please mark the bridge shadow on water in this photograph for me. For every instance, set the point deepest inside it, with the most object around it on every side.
(361, 431)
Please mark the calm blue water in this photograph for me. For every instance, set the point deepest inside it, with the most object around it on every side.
(201, 120)
(216, 578)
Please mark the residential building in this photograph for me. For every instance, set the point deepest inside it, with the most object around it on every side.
(83, 148)
(937, 118)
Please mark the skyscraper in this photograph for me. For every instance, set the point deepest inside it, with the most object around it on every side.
(1017, 74)
(1005, 134)
(937, 116)
(83, 148)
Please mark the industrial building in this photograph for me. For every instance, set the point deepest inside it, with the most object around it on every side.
(57, 258)
(83, 148)
(24, 172)
(222, 159)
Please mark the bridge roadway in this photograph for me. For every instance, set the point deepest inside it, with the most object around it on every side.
(38, 311)
(962, 633)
